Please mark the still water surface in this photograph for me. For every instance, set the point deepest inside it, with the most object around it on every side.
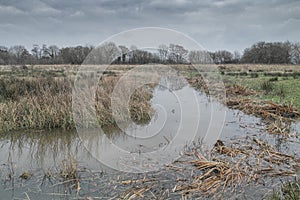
(182, 115)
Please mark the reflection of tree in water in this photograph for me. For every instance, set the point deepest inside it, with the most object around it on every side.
(42, 146)
(172, 83)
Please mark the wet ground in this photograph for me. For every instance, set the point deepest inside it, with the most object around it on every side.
(40, 165)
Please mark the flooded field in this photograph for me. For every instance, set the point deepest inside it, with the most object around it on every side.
(65, 165)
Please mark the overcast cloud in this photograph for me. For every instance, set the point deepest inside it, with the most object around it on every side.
(216, 24)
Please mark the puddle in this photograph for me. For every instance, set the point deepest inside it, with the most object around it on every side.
(182, 115)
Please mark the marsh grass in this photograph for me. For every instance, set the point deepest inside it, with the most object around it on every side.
(288, 191)
(46, 102)
(39, 104)
(254, 75)
(138, 108)
(277, 117)
(279, 90)
(69, 169)
(14, 88)
(267, 86)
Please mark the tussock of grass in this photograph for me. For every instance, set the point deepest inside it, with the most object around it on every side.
(288, 191)
(37, 104)
(267, 86)
(46, 103)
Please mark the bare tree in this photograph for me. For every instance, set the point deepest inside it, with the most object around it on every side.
(53, 51)
(163, 51)
(177, 53)
(36, 51)
(104, 54)
(295, 53)
(236, 57)
(17, 50)
(200, 57)
(268, 53)
(4, 56)
(223, 56)
(124, 52)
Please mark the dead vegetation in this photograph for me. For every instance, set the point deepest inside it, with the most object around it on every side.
(238, 90)
(226, 167)
(217, 173)
(229, 167)
(263, 109)
(46, 103)
(26, 175)
(277, 117)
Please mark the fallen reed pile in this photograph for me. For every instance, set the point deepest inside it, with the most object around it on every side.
(263, 109)
(277, 117)
(217, 173)
(238, 90)
(228, 168)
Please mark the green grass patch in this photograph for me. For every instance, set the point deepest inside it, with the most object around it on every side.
(279, 90)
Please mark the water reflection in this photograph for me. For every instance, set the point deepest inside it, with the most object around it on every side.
(182, 116)
(38, 149)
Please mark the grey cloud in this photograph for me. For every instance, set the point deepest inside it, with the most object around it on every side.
(217, 24)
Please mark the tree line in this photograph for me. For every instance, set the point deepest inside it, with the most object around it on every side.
(258, 53)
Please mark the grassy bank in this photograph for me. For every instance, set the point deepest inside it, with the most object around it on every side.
(40, 97)
(278, 84)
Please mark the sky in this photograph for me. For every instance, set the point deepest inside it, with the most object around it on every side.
(215, 24)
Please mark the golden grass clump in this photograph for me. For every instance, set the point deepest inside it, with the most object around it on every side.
(46, 103)
(49, 107)
(139, 107)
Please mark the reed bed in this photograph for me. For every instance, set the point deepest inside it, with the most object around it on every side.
(139, 107)
(46, 103)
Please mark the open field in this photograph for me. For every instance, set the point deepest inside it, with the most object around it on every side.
(40, 98)
(275, 83)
